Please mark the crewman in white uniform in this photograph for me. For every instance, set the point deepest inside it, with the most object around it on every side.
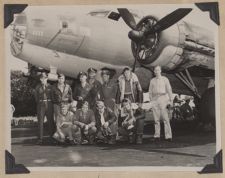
(160, 93)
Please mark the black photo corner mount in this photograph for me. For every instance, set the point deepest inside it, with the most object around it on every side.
(11, 167)
(216, 167)
(213, 8)
(10, 10)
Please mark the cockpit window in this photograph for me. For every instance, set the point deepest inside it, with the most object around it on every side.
(99, 13)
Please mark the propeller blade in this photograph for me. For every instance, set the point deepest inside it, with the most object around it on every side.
(127, 17)
(170, 19)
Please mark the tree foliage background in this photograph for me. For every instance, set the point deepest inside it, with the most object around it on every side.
(22, 96)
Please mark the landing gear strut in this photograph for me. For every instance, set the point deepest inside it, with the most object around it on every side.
(205, 104)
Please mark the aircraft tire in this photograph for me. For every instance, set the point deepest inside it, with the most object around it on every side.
(207, 107)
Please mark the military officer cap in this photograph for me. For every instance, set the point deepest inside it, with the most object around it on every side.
(92, 70)
(43, 75)
(81, 74)
(108, 71)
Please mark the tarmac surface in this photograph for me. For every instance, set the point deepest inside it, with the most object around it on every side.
(189, 149)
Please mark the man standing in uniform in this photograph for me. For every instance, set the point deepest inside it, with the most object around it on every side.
(81, 91)
(43, 99)
(160, 93)
(108, 88)
(94, 94)
(61, 94)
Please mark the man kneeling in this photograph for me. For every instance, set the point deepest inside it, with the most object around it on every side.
(84, 119)
(106, 123)
(131, 121)
(65, 128)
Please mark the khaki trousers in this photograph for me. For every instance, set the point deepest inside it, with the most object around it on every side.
(160, 111)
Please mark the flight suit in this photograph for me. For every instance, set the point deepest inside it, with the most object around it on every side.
(159, 89)
(43, 98)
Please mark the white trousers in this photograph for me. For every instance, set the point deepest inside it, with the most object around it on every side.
(160, 111)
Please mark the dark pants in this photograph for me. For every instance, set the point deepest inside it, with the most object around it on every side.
(111, 130)
(138, 126)
(45, 108)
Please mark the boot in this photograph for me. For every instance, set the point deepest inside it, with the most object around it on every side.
(139, 139)
(112, 140)
(131, 138)
(91, 139)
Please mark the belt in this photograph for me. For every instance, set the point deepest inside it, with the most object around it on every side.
(130, 93)
(159, 94)
(45, 100)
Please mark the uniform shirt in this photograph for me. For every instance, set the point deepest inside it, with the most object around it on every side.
(43, 93)
(127, 87)
(59, 96)
(94, 92)
(67, 118)
(108, 94)
(80, 118)
(159, 86)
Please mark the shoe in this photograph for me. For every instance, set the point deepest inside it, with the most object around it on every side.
(112, 140)
(39, 142)
(91, 140)
(139, 139)
(169, 139)
(84, 142)
(131, 139)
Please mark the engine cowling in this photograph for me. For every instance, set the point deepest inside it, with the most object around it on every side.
(178, 47)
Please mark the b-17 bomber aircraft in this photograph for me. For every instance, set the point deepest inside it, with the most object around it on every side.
(62, 40)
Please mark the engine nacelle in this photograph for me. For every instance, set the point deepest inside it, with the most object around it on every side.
(178, 47)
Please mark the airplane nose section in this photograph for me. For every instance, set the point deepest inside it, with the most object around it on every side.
(18, 33)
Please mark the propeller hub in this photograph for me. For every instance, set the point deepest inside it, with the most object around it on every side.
(136, 36)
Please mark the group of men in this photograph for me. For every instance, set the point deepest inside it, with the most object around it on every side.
(95, 111)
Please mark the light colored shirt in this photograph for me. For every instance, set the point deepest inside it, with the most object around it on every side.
(102, 118)
(160, 86)
(127, 87)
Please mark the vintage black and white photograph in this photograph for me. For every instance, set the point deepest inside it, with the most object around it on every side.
(113, 86)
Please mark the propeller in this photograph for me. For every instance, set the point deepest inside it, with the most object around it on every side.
(164, 23)
(127, 17)
(170, 19)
